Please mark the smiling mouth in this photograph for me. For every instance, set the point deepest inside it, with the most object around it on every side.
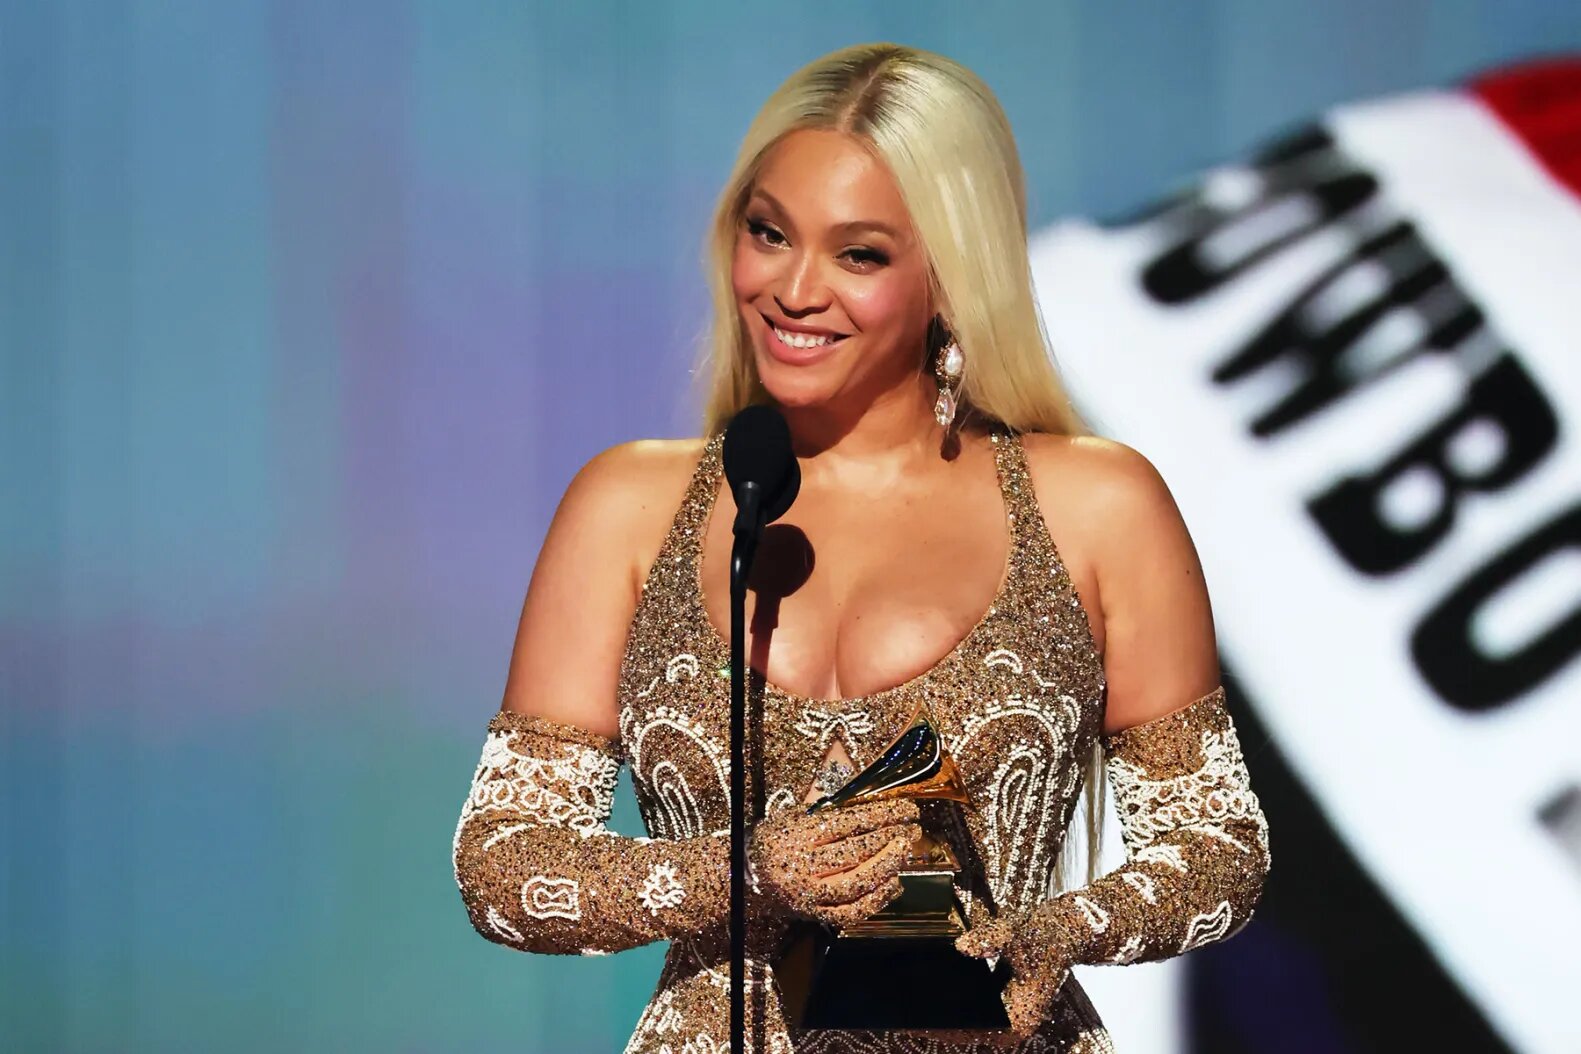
(803, 341)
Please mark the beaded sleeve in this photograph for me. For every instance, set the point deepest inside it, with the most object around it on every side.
(538, 869)
(1195, 836)
(1197, 854)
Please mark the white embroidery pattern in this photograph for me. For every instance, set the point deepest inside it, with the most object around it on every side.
(501, 925)
(1018, 786)
(822, 726)
(659, 1017)
(677, 811)
(504, 833)
(552, 898)
(1004, 657)
(780, 799)
(684, 665)
(757, 971)
(1163, 854)
(576, 790)
(1202, 800)
(1096, 917)
(1209, 927)
(661, 889)
(1128, 952)
(1093, 1039)
(1222, 835)
(1142, 882)
(1019, 812)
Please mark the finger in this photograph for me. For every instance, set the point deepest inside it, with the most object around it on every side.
(1025, 1021)
(895, 810)
(984, 940)
(865, 907)
(867, 876)
(833, 824)
(834, 857)
(1026, 1004)
(789, 864)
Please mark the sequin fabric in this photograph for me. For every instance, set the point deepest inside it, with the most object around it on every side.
(1197, 857)
(1019, 702)
(792, 847)
(539, 870)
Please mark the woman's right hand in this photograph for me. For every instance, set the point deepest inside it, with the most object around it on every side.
(838, 865)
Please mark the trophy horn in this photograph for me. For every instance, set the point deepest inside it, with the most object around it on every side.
(914, 765)
(868, 974)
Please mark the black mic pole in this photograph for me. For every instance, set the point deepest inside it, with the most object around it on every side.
(748, 526)
(764, 479)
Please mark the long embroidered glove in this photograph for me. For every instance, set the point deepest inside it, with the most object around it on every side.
(838, 865)
(1197, 855)
(538, 869)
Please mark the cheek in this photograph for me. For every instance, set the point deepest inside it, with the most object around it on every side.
(750, 272)
(883, 304)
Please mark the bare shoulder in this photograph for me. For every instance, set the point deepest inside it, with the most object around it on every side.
(1091, 460)
(585, 584)
(1111, 490)
(642, 469)
(626, 496)
(1160, 649)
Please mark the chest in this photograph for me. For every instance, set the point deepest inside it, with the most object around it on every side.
(966, 607)
(851, 595)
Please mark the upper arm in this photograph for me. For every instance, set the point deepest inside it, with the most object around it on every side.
(1160, 650)
(584, 587)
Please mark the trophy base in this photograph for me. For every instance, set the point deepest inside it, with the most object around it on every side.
(898, 970)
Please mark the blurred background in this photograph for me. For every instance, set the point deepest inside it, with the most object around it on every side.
(309, 312)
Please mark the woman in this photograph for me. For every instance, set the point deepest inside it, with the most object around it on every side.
(870, 278)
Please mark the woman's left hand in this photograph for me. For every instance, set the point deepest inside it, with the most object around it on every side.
(1038, 968)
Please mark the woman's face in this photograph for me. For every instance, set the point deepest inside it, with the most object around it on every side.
(828, 275)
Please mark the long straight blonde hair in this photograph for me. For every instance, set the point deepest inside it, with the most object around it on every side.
(948, 145)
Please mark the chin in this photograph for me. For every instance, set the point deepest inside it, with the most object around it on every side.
(796, 386)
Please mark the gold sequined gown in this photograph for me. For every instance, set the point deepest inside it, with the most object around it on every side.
(1019, 700)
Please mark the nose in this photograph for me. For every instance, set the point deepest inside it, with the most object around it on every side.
(803, 291)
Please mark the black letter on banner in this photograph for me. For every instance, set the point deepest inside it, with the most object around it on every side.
(1348, 512)
(1305, 185)
(1449, 659)
(1391, 272)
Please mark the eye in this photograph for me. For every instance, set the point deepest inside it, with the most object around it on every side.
(867, 257)
(762, 231)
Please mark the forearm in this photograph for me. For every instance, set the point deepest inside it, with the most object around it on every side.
(1197, 855)
(537, 868)
(1196, 841)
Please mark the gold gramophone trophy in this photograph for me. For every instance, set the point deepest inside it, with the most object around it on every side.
(899, 968)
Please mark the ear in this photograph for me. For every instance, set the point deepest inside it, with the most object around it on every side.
(938, 333)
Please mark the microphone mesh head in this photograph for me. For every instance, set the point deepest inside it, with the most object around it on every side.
(758, 450)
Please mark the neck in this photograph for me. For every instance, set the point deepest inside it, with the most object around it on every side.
(891, 431)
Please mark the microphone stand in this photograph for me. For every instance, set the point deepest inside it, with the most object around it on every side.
(748, 526)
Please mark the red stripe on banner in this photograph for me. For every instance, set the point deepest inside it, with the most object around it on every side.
(1541, 103)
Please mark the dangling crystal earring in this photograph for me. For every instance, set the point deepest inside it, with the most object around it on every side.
(948, 365)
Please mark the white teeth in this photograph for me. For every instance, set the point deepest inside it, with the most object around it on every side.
(802, 340)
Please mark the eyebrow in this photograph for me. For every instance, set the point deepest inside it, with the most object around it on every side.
(849, 225)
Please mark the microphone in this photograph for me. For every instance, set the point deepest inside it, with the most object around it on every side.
(762, 471)
(764, 479)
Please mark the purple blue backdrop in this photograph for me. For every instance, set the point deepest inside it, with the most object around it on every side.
(309, 312)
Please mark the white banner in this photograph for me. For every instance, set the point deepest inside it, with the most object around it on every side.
(1357, 362)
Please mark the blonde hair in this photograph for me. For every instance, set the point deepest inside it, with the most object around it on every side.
(947, 143)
